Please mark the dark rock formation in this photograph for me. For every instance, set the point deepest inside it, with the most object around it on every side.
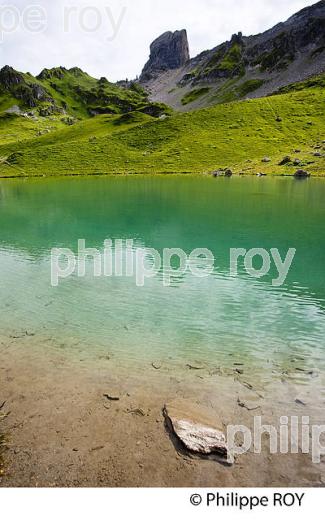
(22, 87)
(9, 77)
(237, 39)
(169, 51)
(271, 51)
(302, 174)
(285, 160)
(31, 94)
(302, 33)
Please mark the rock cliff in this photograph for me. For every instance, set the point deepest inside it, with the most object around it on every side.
(169, 51)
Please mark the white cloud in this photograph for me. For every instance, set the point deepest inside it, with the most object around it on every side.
(208, 22)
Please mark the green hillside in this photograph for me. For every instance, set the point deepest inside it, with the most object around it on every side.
(237, 135)
(69, 95)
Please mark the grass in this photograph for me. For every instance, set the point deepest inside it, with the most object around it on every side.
(228, 61)
(232, 61)
(60, 92)
(14, 129)
(231, 90)
(249, 86)
(316, 81)
(235, 135)
(194, 94)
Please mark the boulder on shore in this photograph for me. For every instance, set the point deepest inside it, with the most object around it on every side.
(222, 172)
(302, 174)
(198, 428)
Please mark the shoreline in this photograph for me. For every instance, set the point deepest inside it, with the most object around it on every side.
(162, 174)
(63, 432)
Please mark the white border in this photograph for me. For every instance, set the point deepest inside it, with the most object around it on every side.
(87, 504)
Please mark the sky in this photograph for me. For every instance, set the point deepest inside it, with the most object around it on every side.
(112, 37)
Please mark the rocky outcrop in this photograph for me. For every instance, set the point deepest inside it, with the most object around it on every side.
(302, 33)
(273, 50)
(258, 65)
(56, 72)
(196, 428)
(31, 94)
(169, 51)
(9, 77)
(23, 87)
(59, 73)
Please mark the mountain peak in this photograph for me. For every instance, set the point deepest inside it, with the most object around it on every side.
(55, 72)
(10, 77)
(243, 66)
(169, 51)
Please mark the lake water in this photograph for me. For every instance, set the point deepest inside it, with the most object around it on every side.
(213, 320)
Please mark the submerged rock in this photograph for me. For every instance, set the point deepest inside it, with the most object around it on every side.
(248, 406)
(300, 402)
(196, 427)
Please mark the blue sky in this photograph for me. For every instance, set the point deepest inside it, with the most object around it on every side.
(111, 37)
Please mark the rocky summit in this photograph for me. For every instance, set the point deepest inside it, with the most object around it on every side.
(169, 51)
(242, 67)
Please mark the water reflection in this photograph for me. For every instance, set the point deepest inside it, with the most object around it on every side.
(214, 319)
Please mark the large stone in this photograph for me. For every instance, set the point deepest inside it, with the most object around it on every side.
(9, 77)
(198, 428)
(302, 174)
(169, 51)
(285, 160)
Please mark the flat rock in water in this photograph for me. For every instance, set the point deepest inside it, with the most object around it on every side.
(197, 428)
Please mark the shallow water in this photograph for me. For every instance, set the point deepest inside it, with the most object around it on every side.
(217, 320)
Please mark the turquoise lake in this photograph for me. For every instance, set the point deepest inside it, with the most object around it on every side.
(210, 319)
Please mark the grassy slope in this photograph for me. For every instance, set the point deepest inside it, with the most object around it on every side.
(194, 94)
(80, 92)
(14, 129)
(236, 135)
(60, 94)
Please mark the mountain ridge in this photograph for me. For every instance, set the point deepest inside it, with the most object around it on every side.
(245, 66)
(70, 94)
(64, 122)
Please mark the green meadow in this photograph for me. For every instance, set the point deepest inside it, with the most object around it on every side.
(236, 135)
